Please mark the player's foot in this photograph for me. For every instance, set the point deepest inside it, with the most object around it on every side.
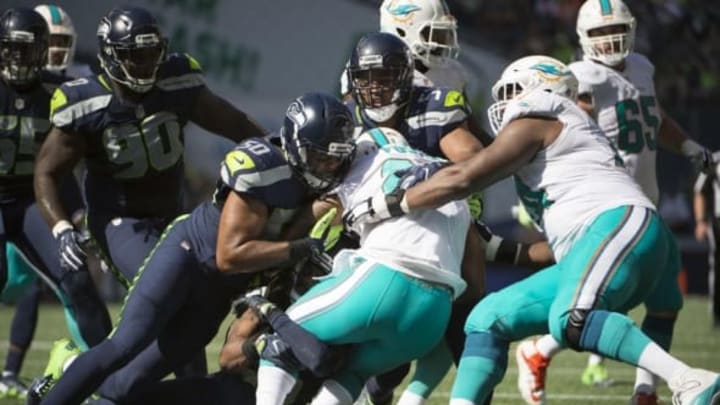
(38, 389)
(63, 352)
(597, 375)
(644, 398)
(11, 386)
(696, 387)
(532, 367)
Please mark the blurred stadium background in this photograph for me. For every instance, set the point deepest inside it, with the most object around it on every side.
(261, 54)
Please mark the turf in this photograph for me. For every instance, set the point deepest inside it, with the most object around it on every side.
(695, 342)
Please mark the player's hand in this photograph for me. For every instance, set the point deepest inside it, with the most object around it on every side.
(703, 161)
(259, 304)
(72, 256)
(419, 173)
(324, 233)
(475, 203)
(376, 209)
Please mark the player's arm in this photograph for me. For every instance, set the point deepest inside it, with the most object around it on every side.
(217, 115)
(238, 351)
(240, 248)
(514, 146)
(700, 208)
(673, 138)
(585, 102)
(460, 144)
(58, 155)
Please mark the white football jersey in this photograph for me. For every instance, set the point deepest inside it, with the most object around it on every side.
(453, 75)
(627, 111)
(574, 179)
(428, 245)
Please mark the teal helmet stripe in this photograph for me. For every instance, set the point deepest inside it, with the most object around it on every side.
(55, 15)
(605, 7)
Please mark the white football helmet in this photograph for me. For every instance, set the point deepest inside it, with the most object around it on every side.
(609, 49)
(426, 26)
(62, 36)
(527, 74)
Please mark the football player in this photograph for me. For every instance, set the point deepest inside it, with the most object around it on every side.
(433, 120)
(25, 91)
(127, 122)
(63, 40)
(616, 87)
(185, 288)
(416, 261)
(613, 251)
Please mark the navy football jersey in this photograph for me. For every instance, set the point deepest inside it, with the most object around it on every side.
(24, 124)
(255, 168)
(134, 152)
(431, 113)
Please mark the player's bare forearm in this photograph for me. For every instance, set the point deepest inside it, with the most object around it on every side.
(219, 116)
(57, 157)
(671, 136)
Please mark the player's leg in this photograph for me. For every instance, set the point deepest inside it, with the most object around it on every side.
(22, 331)
(375, 306)
(429, 372)
(713, 276)
(159, 290)
(513, 313)
(611, 269)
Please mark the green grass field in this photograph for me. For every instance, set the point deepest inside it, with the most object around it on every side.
(695, 342)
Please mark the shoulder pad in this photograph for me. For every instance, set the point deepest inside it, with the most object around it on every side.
(588, 72)
(640, 61)
(537, 103)
(252, 164)
(77, 98)
(180, 71)
(439, 106)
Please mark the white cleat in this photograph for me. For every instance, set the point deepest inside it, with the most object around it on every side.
(696, 387)
(532, 367)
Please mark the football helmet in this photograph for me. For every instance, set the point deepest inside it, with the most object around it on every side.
(23, 45)
(61, 51)
(426, 26)
(380, 73)
(317, 138)
(527, 74)
(131, 47)
(612, 47)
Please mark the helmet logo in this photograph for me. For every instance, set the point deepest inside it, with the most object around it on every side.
(402, 12)
(368, 61)
(147, 39)
(549, 72)
(296, 115)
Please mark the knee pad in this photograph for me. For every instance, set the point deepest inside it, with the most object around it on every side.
(574, 327)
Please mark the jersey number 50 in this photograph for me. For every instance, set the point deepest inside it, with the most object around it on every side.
(156, 142)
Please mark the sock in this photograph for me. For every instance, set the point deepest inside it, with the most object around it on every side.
(547, 346)
(660, 330)
(410, 398)
(273, 385)
(13, 360)
(594, 359)
(615, 336)
(332, 393)
(430, 370)
(481, 368)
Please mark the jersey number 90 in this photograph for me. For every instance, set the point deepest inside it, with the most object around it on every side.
(155, 143)
(18, 144)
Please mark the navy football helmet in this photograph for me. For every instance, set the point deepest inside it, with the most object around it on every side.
(317, 138)
(131, 47)
(24, 40)
(380, 73)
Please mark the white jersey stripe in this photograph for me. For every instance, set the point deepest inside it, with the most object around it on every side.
(610, 255)
(333, 296)
(436, 118)
(81, 109)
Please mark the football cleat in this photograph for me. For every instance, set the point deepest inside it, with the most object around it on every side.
(38, 389)
(63, 352)
(695, 387)
(532, 368)
(12, 387)
(644, 398)
(596, 375)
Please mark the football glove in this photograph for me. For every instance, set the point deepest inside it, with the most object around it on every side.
(325, 233)
(259, 304)
(72, 256)
(415, 174)
(475, 203)
(375, 209)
